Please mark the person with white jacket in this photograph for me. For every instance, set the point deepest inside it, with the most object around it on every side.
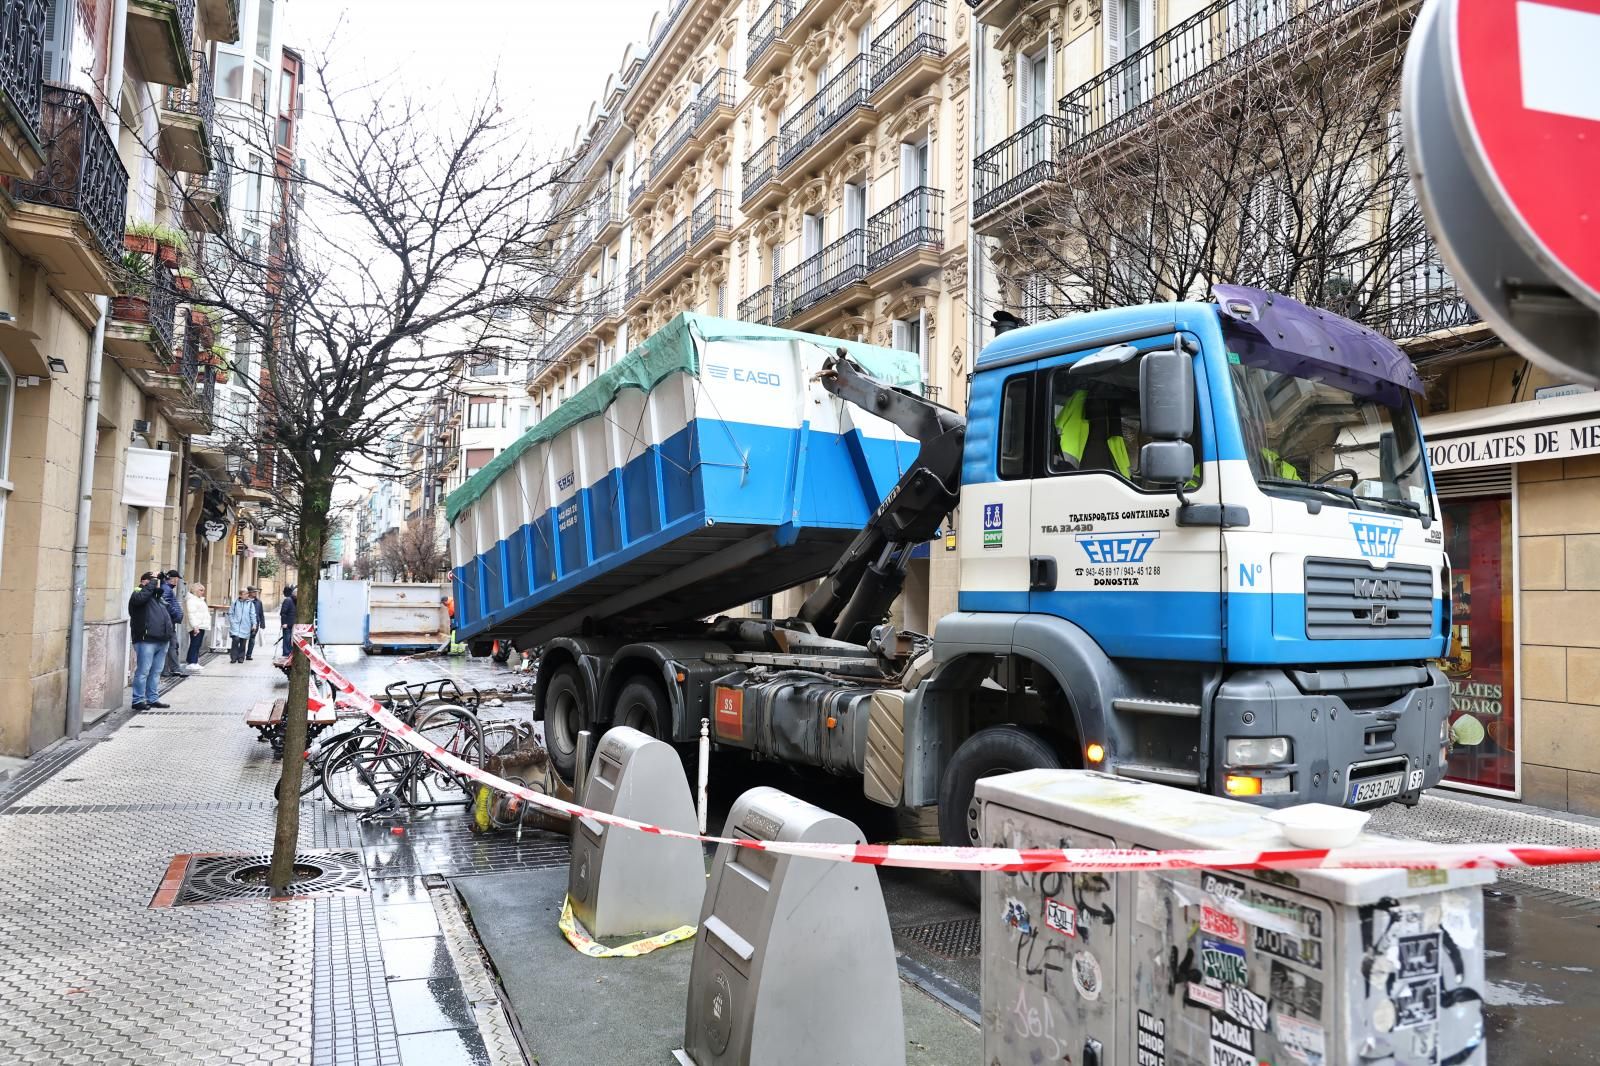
(198, 613)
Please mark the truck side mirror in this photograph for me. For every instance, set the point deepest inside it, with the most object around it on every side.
(1166, 462)
(1166, 397)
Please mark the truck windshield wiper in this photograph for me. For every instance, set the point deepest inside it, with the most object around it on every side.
(1332, 490)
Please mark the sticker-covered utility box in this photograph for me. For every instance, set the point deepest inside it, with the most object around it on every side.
(1215, 968)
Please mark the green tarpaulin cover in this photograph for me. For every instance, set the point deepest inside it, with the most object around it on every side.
(675, 346)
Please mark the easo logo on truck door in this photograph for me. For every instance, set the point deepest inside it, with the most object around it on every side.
(756, 377)
(1376, 537)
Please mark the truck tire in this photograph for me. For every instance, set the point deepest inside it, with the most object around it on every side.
(642, 706)
(564, 716)
(1000, 749)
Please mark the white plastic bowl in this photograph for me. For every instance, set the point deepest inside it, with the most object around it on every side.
(1320, 825)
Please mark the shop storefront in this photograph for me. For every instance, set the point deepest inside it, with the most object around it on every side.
(1519, 486)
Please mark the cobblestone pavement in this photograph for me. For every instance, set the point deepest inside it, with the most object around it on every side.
(90, 972)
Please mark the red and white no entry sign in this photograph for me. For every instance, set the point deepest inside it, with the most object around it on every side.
(1529, 75)
(1501, 107)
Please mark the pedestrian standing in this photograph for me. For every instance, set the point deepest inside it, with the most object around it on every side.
(172, 597)
(288, 611)
(198, 613)
(261, 621)
(150, 626)
(241, 623)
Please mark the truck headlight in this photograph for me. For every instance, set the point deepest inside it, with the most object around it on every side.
(1258, 751)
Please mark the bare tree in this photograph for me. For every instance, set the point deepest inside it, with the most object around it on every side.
(416, 552)
(1278, 164)
(413, 245)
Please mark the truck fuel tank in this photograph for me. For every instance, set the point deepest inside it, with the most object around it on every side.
(794, 716)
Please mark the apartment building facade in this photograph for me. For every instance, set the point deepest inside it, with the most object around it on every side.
(1060, 87)
(799, 164)
(109, 127)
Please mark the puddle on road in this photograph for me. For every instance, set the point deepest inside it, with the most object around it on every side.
(1516, 994)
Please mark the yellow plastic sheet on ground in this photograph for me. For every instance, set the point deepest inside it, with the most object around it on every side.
(579, 938)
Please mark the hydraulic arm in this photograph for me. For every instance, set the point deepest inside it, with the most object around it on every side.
(856, 594)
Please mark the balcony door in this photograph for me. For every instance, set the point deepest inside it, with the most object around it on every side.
(1035, 80)
(1129, 25)
(60, 19)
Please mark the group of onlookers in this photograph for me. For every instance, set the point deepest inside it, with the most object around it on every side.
(160, 612)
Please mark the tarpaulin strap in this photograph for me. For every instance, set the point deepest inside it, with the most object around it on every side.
(579, 938)
(1401, 855)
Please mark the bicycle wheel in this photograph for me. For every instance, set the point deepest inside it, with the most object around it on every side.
(358, 780)
(458, 731)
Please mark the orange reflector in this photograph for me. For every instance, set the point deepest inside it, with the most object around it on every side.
(681, 677)
(1238, 785)
(832, 721)
(1095, 752)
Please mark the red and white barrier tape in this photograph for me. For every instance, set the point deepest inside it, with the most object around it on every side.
(1400, 856)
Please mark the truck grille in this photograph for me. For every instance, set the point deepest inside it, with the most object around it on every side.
(1347, 599)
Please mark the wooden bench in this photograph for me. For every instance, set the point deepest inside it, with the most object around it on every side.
(266, 718)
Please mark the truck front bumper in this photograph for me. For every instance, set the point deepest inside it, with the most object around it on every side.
(1358, 736)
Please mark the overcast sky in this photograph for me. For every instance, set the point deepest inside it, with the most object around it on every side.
(551, 55)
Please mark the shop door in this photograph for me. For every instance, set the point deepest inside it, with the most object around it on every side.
(1480, 660)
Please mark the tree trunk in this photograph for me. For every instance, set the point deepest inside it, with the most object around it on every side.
(313, 527)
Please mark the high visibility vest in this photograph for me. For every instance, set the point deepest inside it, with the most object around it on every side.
(1278, 466)
(1072, 429)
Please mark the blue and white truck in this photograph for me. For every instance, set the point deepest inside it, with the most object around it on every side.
(1199, 545)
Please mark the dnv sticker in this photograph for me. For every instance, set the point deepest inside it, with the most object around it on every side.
(994, 525)
(1377, 537)
(1117, 547)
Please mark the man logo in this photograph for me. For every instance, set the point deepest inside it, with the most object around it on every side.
(1376, 537)
(1110, 548)
(1370, 588)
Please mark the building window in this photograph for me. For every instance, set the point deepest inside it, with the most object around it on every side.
(264, 29)
(242, 342)
(477, 459)
(487, 367)
(8, 396)
(1480, 660)
(258, 89)
(230, 75)
(480, 412)
(908, 336)
(1033, 83)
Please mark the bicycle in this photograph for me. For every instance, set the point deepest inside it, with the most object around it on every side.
(390, 775)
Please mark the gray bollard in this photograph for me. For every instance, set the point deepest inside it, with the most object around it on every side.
(795, 963)
(580, 765)
(622, 881)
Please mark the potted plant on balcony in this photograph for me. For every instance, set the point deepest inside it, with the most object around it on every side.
(140, 238)
(200, 326)
(186, 279)
(170, 244)
(132, 302)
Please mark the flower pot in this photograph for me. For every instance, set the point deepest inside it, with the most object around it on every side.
(130, 308)
(198, 318)
(135, 243)
(208, 359)
(168, 254)
(185, 283)
(221, 377)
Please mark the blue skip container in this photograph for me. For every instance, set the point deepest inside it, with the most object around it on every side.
(704, 470)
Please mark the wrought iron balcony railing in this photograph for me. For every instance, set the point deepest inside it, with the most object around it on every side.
(197, 98)
(717, 92)
(1222, 37)
(759, 168)
(1016, 164)
(637, 182)
(577, 172)
(757, 307)
(22, 58)
(666, 252)
(672, 140)
(185, 10)
(916, 220)
(82, 172)
(667, 22)
(713, 212)
(835, 268)
(917, 31)
(845, 91)
(635, 281)
(765, 30)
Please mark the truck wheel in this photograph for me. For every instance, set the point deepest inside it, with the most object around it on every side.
(564, 716)
(1000, 749)
(641, 705)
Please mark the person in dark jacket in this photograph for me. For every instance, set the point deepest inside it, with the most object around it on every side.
(261, 622)
(150, 626)
(172, 596)
(287, 612)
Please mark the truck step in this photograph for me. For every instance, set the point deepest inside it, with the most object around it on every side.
(1162, 707)
(1161, 775)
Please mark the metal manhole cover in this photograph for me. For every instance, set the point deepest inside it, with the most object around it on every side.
(230, 878)
(956, 938)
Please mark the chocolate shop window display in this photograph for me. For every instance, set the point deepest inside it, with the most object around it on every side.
(1480, 658)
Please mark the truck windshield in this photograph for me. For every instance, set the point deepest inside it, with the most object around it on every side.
(1350, 443)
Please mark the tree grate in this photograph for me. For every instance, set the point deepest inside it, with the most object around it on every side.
(232, 878)
(956, 938)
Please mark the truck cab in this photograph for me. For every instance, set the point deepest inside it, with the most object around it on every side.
(1200, 544)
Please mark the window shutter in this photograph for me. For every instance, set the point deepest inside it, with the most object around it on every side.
(901, 340)
(1025, 89)
(1475, 481)
(59, 18)
(1112, 12)
(1045, 105)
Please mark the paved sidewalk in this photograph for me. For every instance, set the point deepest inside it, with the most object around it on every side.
(90, 972)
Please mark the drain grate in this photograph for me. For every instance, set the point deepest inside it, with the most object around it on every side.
(956, 938)
(231, 878)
